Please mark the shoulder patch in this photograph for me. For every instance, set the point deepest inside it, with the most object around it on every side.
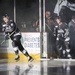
(4, 25)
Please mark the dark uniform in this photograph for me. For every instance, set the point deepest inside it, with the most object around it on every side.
(12, 32)
(52, 52)
(72, 38)
(60, 39)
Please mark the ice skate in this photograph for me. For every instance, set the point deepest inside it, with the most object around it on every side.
(30, 59)
(17, 58)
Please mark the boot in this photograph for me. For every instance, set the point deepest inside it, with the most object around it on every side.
(30, 59)
(17, 55)
(17, 58)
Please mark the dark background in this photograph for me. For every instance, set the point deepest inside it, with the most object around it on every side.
(26, 11)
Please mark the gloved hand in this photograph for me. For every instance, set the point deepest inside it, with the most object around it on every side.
(6, 37)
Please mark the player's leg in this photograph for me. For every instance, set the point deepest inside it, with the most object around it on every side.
(15, 47)
(21, 48)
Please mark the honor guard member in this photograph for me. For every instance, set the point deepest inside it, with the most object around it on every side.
(12, 32)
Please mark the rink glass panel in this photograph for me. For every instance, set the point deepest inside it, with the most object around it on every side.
(27, 15)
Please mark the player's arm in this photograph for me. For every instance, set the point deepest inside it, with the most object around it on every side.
(5, 33)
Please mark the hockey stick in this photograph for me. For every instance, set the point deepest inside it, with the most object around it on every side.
(2, 42)
(12, 33)
(48, 27)
(8, 36)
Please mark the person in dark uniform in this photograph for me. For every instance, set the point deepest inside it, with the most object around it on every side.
(12, 32)
(72, 36)
(52, 52)
(60, 40)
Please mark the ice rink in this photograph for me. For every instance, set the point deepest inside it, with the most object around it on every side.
(42, 67)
